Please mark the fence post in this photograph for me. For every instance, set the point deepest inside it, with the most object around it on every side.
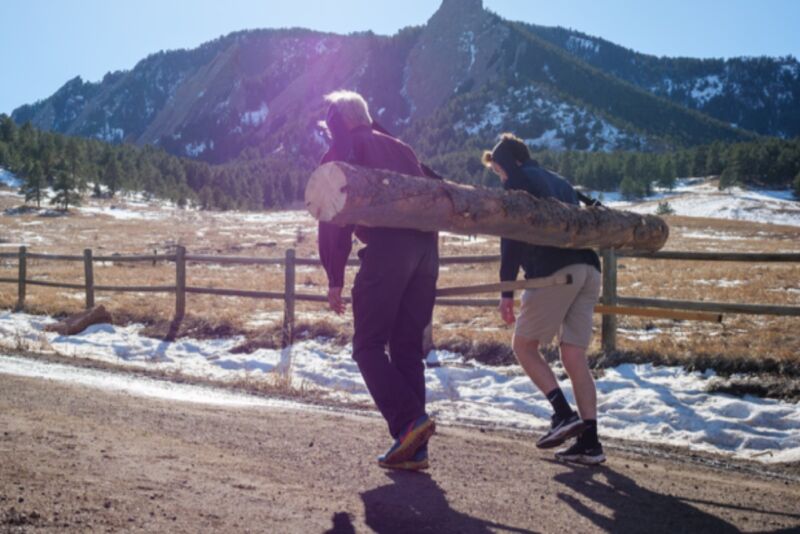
(180, 282)
(609, 298)
(23, 274)
(288, 310)
(88, 271)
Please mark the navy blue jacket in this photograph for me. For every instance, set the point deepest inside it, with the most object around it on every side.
(538, 261)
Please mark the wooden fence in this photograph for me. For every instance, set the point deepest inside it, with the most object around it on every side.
(611, 304)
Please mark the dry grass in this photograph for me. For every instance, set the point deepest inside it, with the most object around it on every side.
(740, 343)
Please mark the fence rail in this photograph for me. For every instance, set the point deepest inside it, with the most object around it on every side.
(611, 304)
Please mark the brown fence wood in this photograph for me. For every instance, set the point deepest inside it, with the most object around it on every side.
(180, 283)
(289, 298)
(62, 285)
(663, 314)
(714, 307)
(23, 274)
(713, 256)
(477, 303)
(611, 303)
(608, 332)
(88, 274)
(548, 281)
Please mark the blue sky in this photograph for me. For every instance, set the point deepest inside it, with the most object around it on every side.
(43, 43)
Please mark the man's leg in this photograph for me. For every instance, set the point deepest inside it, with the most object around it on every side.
(377, 294)
(413, 317)
(574, 360)
(533, 363)
(576, 336)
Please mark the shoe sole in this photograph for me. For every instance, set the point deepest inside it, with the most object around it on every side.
(411, 444)
(406, 466)
(584, 459)
(563, 435)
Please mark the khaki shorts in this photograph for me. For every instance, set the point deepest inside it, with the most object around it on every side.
(566, 310)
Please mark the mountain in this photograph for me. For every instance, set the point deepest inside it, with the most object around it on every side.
(450, 85)
(761, 94)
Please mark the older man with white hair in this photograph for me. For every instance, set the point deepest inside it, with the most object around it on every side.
(394, 290)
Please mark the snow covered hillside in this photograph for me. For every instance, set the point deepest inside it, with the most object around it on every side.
(695, 197)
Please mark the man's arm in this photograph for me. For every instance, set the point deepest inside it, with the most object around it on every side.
(510, 260)
(335, 244)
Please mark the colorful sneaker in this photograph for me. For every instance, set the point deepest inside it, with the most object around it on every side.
(582, 453)
(560, 431)
(412, 439)
(418, 462)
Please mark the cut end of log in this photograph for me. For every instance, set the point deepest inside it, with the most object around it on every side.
(326, 194)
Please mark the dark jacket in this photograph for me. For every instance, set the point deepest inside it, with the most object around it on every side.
(538, 261)
(367, 148)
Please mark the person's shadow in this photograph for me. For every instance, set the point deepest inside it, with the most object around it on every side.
(633, 508)
(414, 502)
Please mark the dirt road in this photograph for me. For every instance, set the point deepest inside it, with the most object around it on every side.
(76, 459)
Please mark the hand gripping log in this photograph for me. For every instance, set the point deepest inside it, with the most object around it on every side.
(346, 194)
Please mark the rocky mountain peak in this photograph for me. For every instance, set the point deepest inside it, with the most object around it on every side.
(452, 54)
(450, 8)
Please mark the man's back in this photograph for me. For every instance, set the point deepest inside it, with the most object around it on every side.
(369, 148)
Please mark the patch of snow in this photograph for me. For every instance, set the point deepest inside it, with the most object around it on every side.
(548, 140)
(581, 44)
(703, 199)
(660, 404)
(195, 149)
(124, 213)
(110, 135)
(256, 117)
(9, 179)
(791, 69)
(560, 120)
(706, 89)
(467, 44)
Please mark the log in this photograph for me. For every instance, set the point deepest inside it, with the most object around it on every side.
(80, 322)
(345, 194)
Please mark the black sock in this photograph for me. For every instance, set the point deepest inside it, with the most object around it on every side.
(589, 435)
(560, 404)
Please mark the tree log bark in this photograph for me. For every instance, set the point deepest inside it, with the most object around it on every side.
(80, 322)
(345, 194)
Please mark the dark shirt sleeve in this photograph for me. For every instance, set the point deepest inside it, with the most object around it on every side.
(335, 242)
(511, 253)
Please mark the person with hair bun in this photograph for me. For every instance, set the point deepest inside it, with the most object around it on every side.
(394, 289)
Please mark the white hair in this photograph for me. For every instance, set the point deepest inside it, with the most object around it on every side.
(352, 107)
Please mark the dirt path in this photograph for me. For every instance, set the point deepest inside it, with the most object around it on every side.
(76, 459)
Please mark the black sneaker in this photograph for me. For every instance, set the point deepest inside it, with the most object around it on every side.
(561, 430)
(582, 453)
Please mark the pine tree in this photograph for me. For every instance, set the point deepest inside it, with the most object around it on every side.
(666, 174)
(34, 184)
(112, 175)
(797, 186)
(65, 187)
(73, 155)
(714, 165)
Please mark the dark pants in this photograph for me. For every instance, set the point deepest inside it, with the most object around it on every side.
(393, 299)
